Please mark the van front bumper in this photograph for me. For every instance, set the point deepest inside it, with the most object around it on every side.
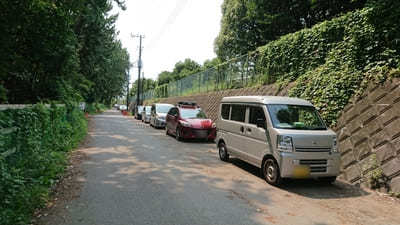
(309, 164)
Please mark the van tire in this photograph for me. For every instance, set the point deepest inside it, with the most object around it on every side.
(270, 172)
(222, 152)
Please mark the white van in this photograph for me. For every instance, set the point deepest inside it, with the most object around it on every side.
(283, 136)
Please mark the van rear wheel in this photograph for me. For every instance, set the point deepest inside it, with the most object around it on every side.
(271, 172)
(223, 153)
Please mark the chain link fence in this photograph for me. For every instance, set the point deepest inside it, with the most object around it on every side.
(235, 73)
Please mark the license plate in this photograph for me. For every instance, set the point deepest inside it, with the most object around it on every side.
(301, 172)
(201, 133)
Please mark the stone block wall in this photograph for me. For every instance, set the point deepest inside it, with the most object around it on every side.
(369, 136)
(368, 129)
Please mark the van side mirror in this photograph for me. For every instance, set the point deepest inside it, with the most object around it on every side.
(260, 123)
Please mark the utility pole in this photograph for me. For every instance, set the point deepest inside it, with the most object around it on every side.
(139, 67)
(127, 92)
(142, 88)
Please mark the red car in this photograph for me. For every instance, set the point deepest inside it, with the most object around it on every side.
(188, 121)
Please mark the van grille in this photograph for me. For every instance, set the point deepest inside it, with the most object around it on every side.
(312, 149)
(316, 165)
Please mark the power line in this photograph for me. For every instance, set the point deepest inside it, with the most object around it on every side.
(180, 5)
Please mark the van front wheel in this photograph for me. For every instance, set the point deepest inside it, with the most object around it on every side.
(271, 172)
(223, 153)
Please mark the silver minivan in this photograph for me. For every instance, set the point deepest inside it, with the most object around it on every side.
(158, 114)
(283, 136)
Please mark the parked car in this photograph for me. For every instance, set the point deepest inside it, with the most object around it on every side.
(285, 137)
(122, 107)
(138, 112)
(188, 121)
(158, 114)
(146, 114)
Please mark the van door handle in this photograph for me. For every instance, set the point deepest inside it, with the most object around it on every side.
(248, 129)
(242, 129)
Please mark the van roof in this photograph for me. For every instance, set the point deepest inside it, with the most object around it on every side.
(266, 100)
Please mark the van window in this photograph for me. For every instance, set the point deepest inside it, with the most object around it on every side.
(225, 111)
(238, 113)
(256, 112)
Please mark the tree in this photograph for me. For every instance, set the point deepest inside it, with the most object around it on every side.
(248, 24)
(211, 63)
(60, 50)
(164, 77)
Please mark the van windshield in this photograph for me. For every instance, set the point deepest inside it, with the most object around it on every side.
(297, 117)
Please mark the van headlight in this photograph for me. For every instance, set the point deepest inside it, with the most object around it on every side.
(335, 148)
(285, 143)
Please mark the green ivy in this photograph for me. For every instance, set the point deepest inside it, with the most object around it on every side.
(335, 59)
(34, 145)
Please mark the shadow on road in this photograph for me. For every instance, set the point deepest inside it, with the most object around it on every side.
(311, 188)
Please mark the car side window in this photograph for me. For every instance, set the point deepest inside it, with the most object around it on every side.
(170, 112)
(225, 111)
(238, 113)
(256, 112)
(174, 112)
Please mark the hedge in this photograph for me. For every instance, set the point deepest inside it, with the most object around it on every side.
(34, 144)
(93, 108)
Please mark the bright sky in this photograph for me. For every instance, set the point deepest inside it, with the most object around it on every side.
(173, 29)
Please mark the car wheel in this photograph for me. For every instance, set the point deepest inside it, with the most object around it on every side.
(223, 153)
(178, 135)
(271, 173)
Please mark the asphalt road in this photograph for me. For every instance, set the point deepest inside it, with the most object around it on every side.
(137, 175)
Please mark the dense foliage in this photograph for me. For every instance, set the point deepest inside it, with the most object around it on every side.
(248, 24)
(34, 142)
(58, 50)
(181, 70)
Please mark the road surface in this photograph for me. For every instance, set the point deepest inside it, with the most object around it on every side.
(136, 174)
